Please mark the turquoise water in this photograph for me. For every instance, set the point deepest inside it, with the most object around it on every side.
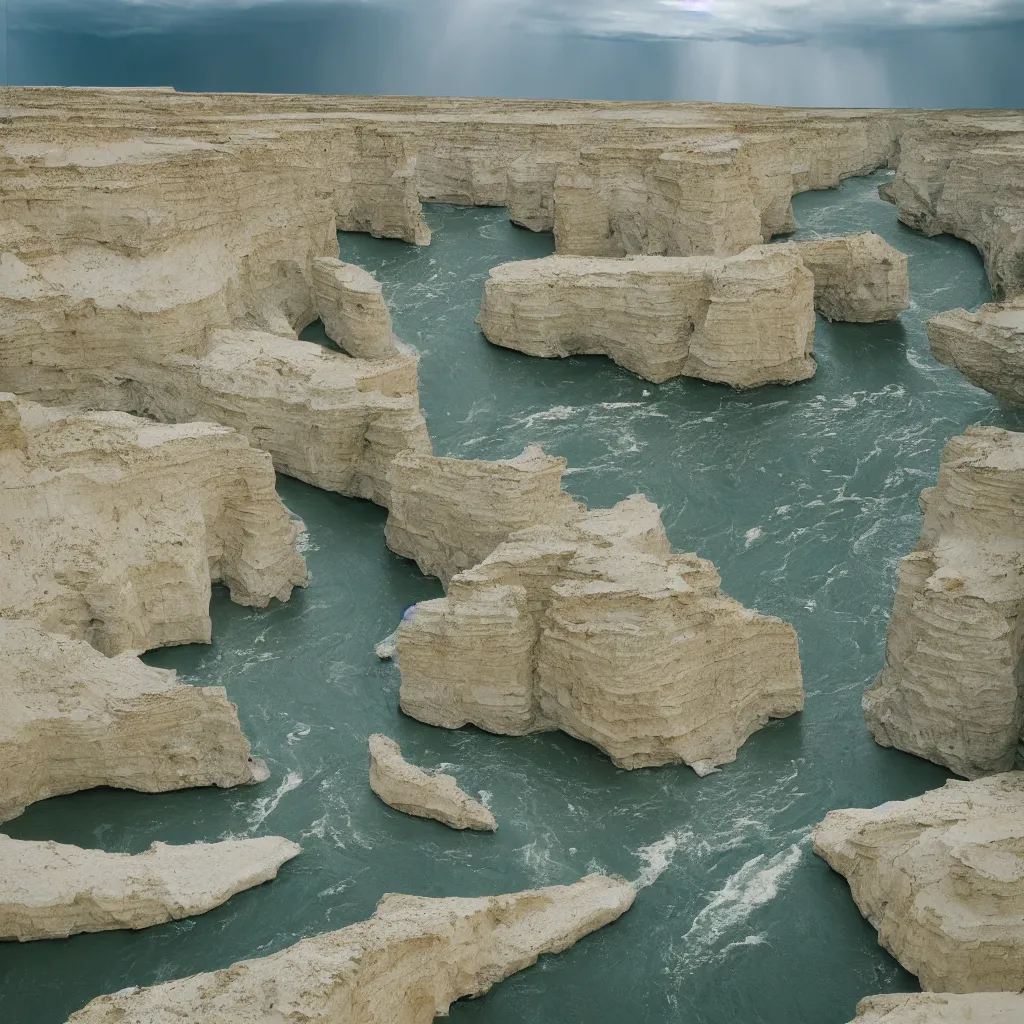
(805, 497)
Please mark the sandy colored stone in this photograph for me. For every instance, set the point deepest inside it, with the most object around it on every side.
(50, 890)
(744, 321)
(113, 527)
(857, 278)
(405, 965)
(72, 719)
(411, 790)
(942, 879)
(986, 346)
(951, 688)
(449, 514)
(944, 1008)
(352, 308)
(595, 628)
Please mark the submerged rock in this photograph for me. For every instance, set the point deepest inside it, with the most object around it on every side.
(945, 1008)
(72, 719)
(51, 891)
(942, 879)
(405, 965)
(411, 790)
(951, 687)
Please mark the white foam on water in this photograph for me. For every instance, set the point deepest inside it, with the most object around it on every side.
(300, 732)
(305, 543)
(556, 413)
(658, 857)
(268, 804)
(751, 536)
(486, 796)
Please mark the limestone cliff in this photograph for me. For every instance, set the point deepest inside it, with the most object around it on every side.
(411, 790)
(71, 719)
(945, 1008)
(113, 527)
(352, 309)
(405, 965)
(951, 688)
(593, 627)
(51, 891)
(942, 879)
(987, 346)
(449, 514)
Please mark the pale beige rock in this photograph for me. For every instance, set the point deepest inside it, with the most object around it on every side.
(593, 627)
(352, 309)
(113, 527)
(857, 278)
(449, 514)
(986, 346)
(411, 790)
(50, 890)
(405, 965)
(744, 321)
(72, 719)
(944, 1008)
(951, 689)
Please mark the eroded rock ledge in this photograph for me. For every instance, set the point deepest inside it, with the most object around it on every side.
(113, 527)
(51, 891)
(942, 879)
(743, 321)
(595, 628)
(405, 965)
(945, 1008)
(352, 308)
(950, 690)
(71, 719)
(411, 790)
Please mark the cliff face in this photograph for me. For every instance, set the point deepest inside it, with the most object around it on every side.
(951, 687)
(942, 879)
(113, 526)
(744, 321)
(51, 891)
(933, 1008)
(594, 628)
(405, 965)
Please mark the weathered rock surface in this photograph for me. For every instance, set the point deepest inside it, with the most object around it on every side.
(987, 346)
(857, 278)
(112, 527)
(72, 719)
(595, 628)
(449, 514)
(951, 689)
(945, 1008)
(411, 790)
(744, 321)
(405, 965)
(51, 891)
(352, 309)
(942, 879)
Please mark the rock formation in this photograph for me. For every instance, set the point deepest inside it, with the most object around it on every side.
(942, 879)
(987, 346)
(71, 719)
(744, 321)
(857, 278)
(352, 309)
(933, 1008)
(51, 891)
(113, 527)
(411, 790)
(405, 965)
(951, 689)
(449, 514)
(593, 627)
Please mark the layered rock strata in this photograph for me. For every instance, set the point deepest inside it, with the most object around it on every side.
(743, 321)
(352, 309)
(942, 879)
(986, 346)
(112, 527)
(857, 278)
(595, 628)
(951, 689)
(449, 514)
(945, 1008)
(405, 965)
(72, 719)
(411, 790)
(51, 891)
